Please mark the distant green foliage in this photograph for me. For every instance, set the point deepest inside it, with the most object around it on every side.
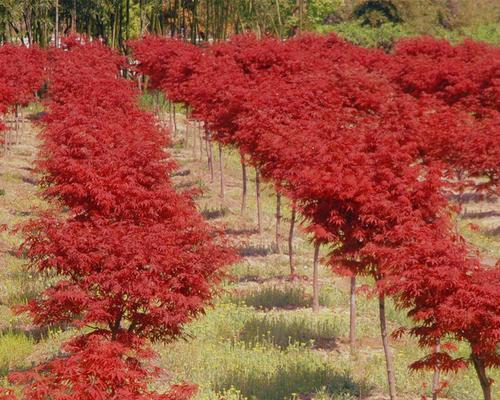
(383, 36)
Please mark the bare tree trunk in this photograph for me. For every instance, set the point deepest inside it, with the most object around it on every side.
(387, 350)
(194, 142)
(186, 132)
(201, 141)
(257, 193)
(174, 117)
(141, 17)
(436, 376)
(244, 185)
(16, 124)
(483, 378)
(315, 299)
(56, 34)
(170, 119)
(278, 222)
(221, 171)
(352, 316)
(210, 159)
(73, 17)
(290, 241)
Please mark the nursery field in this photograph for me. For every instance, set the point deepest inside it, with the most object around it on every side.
(254, 219)
(260, 340)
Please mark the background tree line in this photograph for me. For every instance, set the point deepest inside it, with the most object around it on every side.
(365, 22)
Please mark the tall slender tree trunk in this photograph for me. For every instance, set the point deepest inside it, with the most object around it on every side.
(387, 349)
(221, 171)
(194, 23)
(210, 159)
(257, 194)
(352, 315)
(174, 117)
(483, 378)
(315, 299)
(56, 25)
(127, 20)
(73, 17)
(290, 241)
(437, 372)
(278, 222)
(186, 131)
(244, 184)
(141, 17)
(201, 140)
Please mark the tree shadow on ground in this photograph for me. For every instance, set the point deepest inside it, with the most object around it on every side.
(267, 297)
(299, 380)
(257, 250)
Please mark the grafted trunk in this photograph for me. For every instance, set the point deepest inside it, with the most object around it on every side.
(387, 349)
(483, 378)
(315, 300)
(221, 171)
(257, 195)
(352, 316)
(244, 184)
(290, 242)
(278, 222)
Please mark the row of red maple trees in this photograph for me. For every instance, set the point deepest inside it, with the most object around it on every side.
(369, 147)
(134, 259)
(21, 76)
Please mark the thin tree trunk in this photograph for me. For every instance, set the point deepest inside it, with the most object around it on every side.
(483, 378)
(387, 350)
(171, 119)
(56, 34)
(352, 316)
(315, 299)
(141, 17)
(436, 376)
(290, 242)
(127, 20)
(257, 193)
(73, 17)
(210, 160)
(244, 184)
(174, 117)
(16, 124)
(194, 141)
(201, 141)
(186, 132)
(221, 170)
(278, 222)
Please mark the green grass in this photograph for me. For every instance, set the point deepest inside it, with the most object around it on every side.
(14, 351)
